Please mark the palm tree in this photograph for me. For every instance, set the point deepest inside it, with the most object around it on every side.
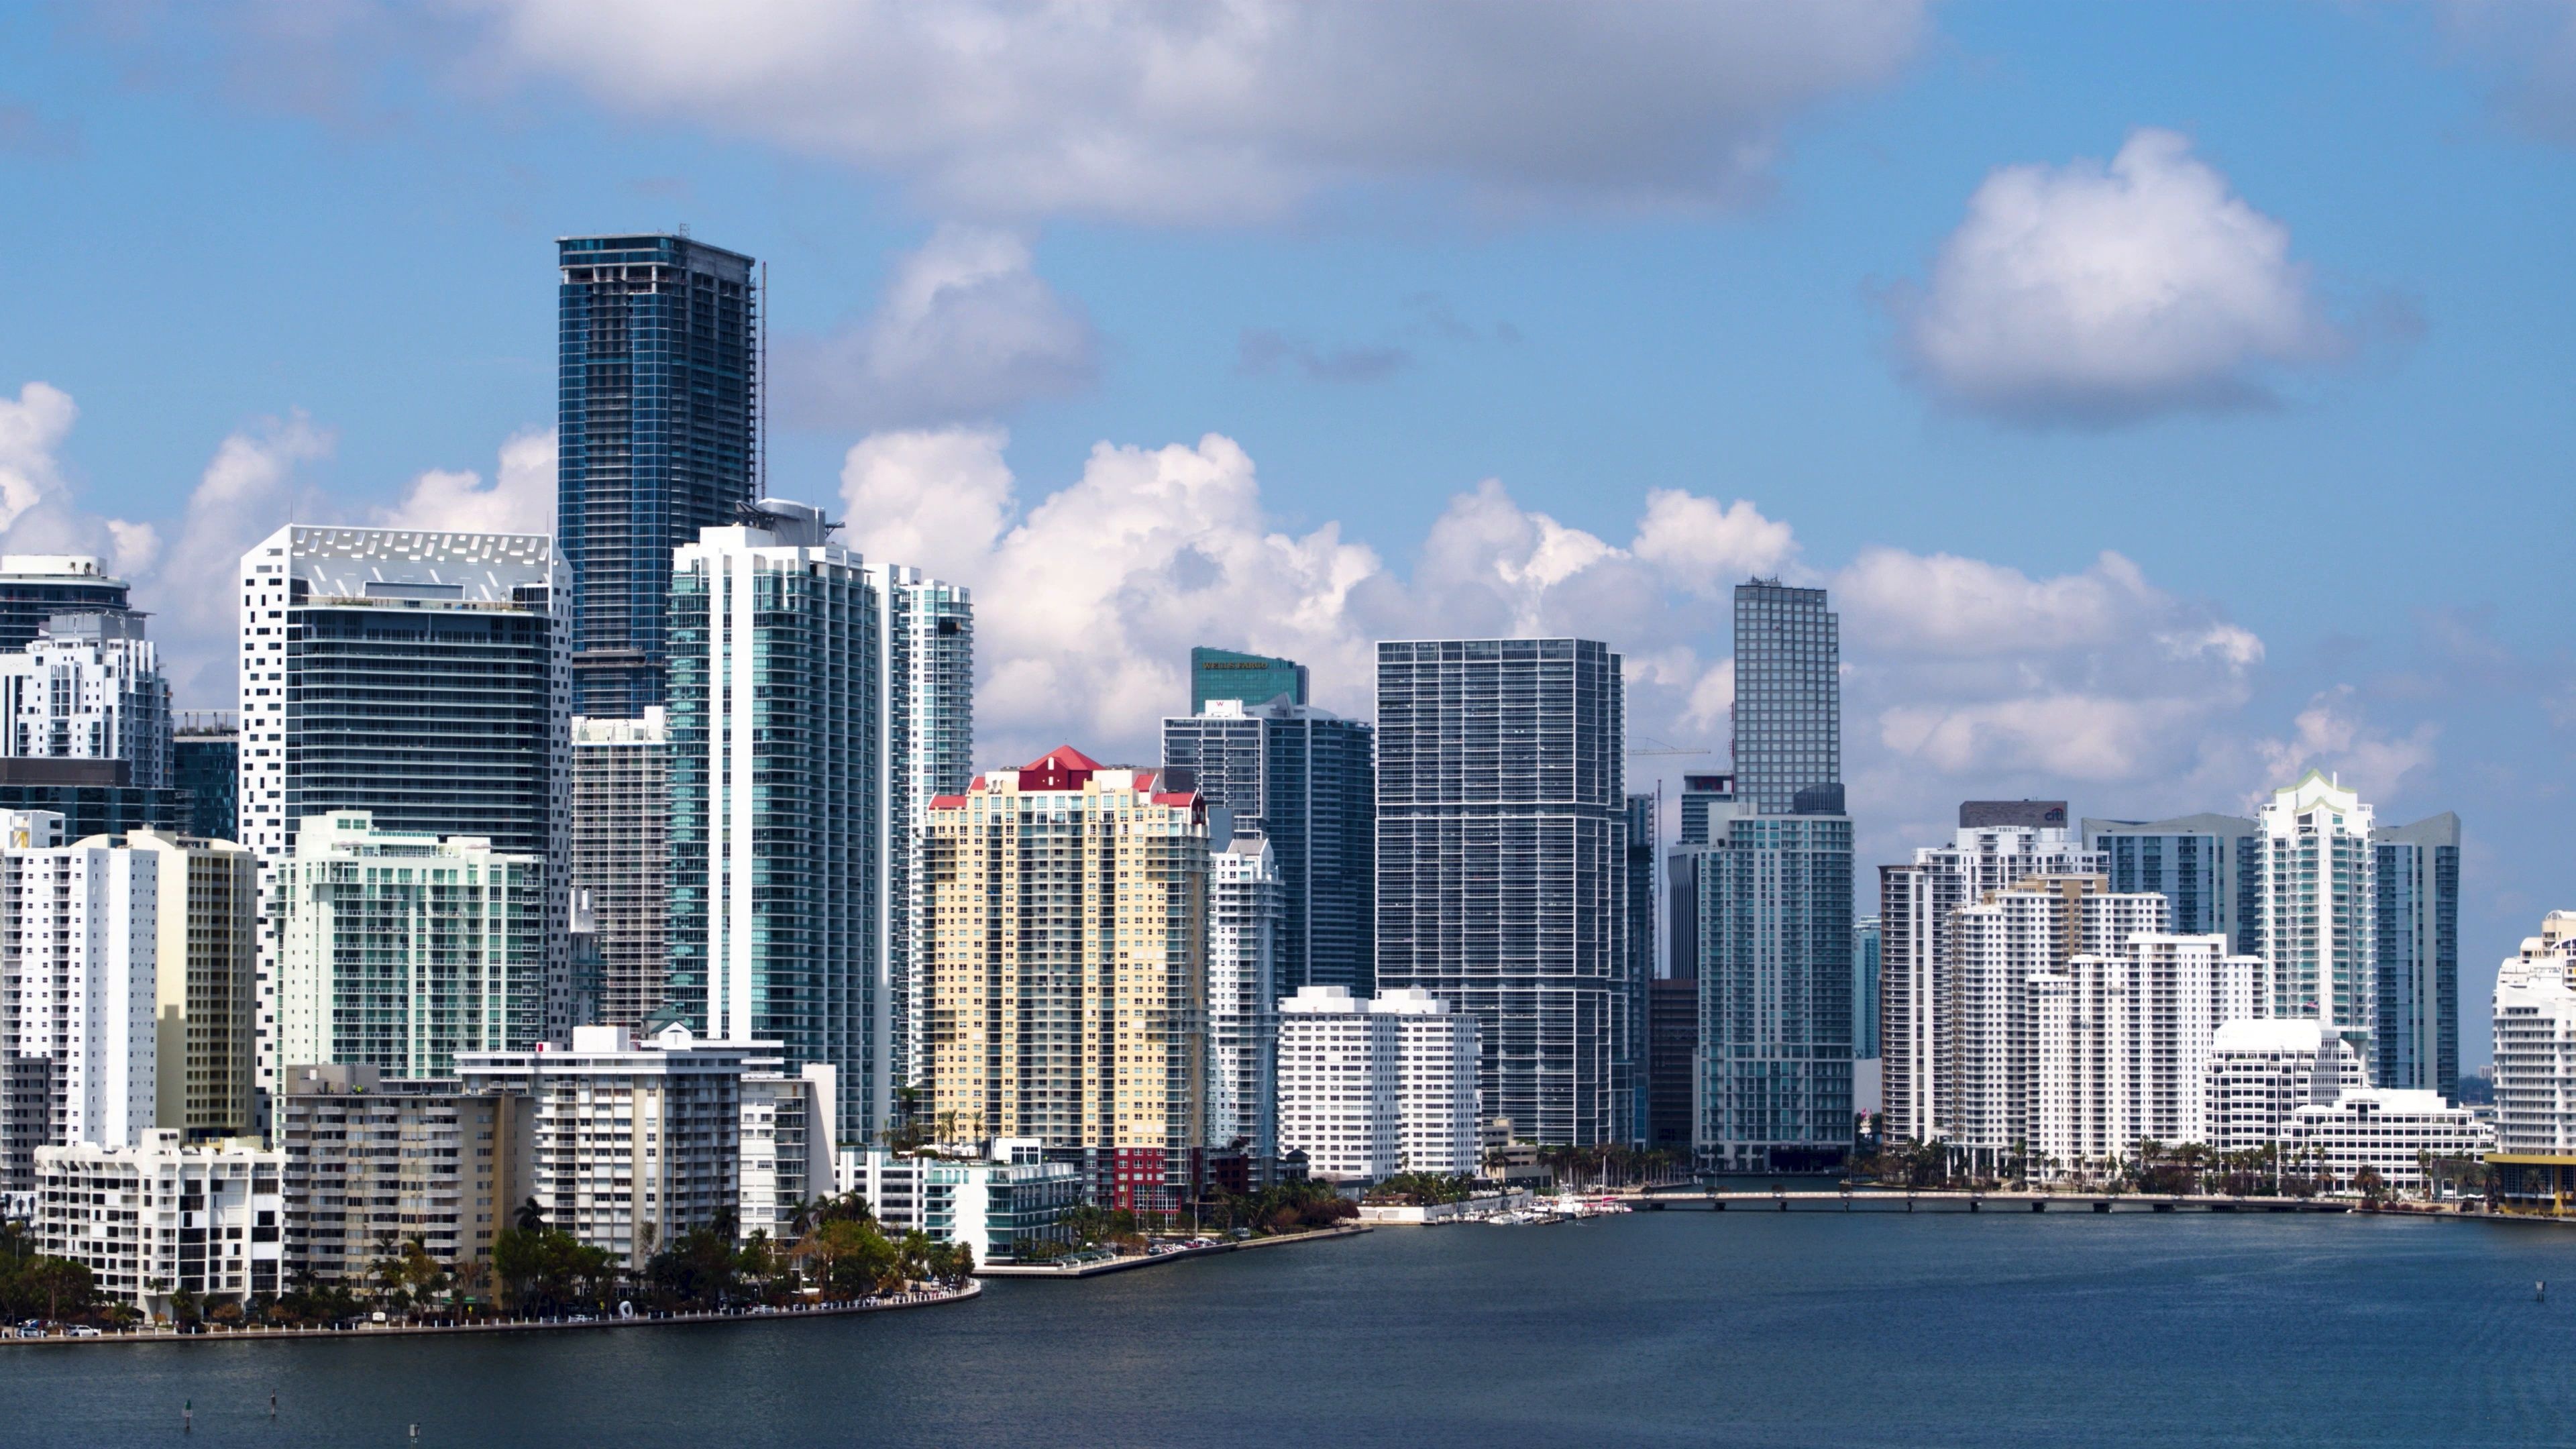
(531, 1218)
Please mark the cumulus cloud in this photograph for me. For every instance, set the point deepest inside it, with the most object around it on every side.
(39, 508)
(2104, 294)
(966, 332)
(520, 498)
(1143, 110)
(2335, 734)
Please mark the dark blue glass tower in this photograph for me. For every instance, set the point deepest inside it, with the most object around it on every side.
(657, 436)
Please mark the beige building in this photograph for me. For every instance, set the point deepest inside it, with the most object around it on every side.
(206, 992)
(1068, 927)
(364, 1164)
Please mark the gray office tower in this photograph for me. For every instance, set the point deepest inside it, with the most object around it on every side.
(1303, 780)
(2417, 954)
(2203, 865)
(1773, 889)
(1502, 863)
(1252, 678)
(656, 436)
(1639, 843)
(205, 761)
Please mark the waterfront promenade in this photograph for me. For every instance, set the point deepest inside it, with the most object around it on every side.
(1093, 1267)
(1898, 1200)
(922, 1298)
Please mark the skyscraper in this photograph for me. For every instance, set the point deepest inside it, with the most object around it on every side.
(1068, 995)
(656, 437)
(1502, 864)
(619, 849)
(777, 923)
(1303, 780)
(2416, 954)
(1788, 697)
(421, 677)
(88, 687)
(1772, 882)
(1644, 963)
(1243, 996)
(2318, 885)
(35, 587)
(1245, 678)
(930, 743)
(205, 761)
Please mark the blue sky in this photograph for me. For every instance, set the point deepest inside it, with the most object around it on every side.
(1699, 291)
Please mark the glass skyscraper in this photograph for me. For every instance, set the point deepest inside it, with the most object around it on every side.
(1303, 780)
(1502, 868)
(2205, 866)
(1788, 697)
(1771, 876)
(2417, 930)
(35, 587)
(656, 437)
(1251, 678)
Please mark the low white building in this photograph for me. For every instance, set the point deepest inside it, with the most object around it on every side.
(2390, 1130)
(999, 1206)
(786, 1145)
(632, 1142)
(1368, 1089)
(160, 1218)
(2535, 1044)
(2262, 1071)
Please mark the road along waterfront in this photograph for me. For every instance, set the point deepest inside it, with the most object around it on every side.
(1668, 1328)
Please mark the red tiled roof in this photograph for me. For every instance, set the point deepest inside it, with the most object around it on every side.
(1062, 757)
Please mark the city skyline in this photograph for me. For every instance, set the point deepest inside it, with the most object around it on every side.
(1521, 408)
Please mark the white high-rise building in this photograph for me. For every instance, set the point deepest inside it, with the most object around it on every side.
(930, 747)
(2535, 1043)
(1998, 949)
(1918, 1008)
(1368, 1089)
(423, 677)
(2317, 889)
(619, 848)
(158, 1217)
(1244, 914)
(2123, 1043)
(2261, 1071)
(89, 687)
(126, 970)
(399, 950)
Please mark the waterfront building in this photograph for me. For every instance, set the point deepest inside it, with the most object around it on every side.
(2389, 1131)
(1775, 991)
(1302, 779)
(1068, 998)
(657, 436)
(2263, 1069)
(1501, 864)
(634, 1142)
(1672, 1063)
(37, 587)
(618, 844)
(1700, 795)
(2000, 947)
(2317, 883)
(89, 687)
(2205, 866)
(127, 966)
(780, 868)
(1643, 942)
(1919, 1003)
(370, 1164)
(1223, 674)
(1368, 1089)
(2535, 1069)
(205, 761)
(400, 950)
(787, 1148)
(161, 1217)
(1868, 960)
(1244, 913)
(1006, 1208)
(2415, 953)
(420, 677)
(930, 746)
(2121, 1044)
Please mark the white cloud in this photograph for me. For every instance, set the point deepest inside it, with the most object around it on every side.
(967, 331)
(2334, 734)
(31, 428)
(248, 491)
(520, 499)
(2104, 294)
(1245, 111)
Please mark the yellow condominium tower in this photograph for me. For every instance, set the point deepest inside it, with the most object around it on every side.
(1068, 996)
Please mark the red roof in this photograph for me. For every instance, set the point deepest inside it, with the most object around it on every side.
(1062, 757)
(947, 802)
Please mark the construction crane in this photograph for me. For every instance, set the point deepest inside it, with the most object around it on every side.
(1660, 748)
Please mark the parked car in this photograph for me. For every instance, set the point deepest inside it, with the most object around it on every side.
(85, 1330)
(31, 1329)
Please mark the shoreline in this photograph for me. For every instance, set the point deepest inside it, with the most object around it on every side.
(1155, 1260)
(973, 1289)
